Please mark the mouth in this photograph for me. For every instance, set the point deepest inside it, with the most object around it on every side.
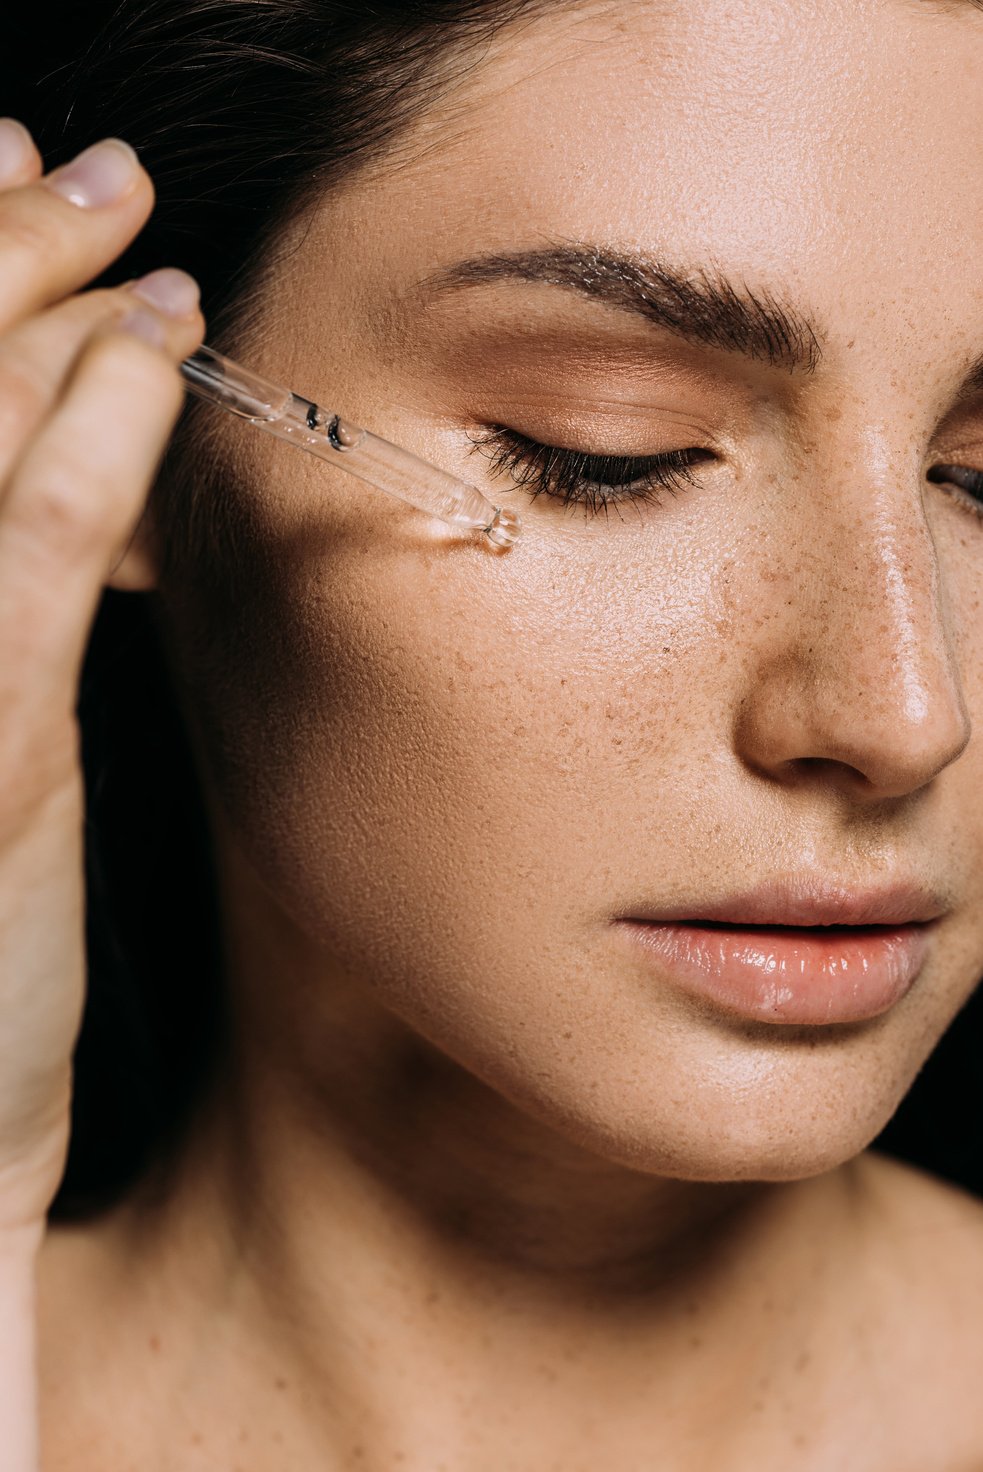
(791, 974)
(801, 949)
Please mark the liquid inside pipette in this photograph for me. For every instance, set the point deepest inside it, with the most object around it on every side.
(384, 465)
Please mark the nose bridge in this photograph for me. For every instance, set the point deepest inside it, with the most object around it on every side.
(892, 612)
(871, 678)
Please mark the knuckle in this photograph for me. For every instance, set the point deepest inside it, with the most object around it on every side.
(31, 234)
(67, 513)
(81, 313)
(39, 753)
(24, 391)
(133, 365)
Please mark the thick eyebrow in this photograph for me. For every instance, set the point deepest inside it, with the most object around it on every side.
(699, 306)
(696, 305)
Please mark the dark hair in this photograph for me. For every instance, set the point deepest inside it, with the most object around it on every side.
(242, 110)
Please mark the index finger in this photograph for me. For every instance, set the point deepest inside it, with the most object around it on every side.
(60, 231)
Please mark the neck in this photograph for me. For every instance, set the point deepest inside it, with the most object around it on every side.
(382, 1195)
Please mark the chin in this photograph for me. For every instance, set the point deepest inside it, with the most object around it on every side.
(779, 1119)
(735, 1152)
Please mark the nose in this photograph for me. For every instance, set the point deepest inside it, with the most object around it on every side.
(856, 672)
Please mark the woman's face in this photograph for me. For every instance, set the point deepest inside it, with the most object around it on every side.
(445, 771)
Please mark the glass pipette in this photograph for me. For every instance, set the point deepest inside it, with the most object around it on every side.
(327, 435)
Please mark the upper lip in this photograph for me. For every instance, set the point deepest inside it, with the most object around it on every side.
(809, 900)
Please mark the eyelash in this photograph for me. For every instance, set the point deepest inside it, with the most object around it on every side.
(573, 477)
(597, 482)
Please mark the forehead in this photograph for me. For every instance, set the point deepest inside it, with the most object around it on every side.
(815, 146)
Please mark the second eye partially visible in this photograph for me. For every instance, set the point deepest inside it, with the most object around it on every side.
(968, 484)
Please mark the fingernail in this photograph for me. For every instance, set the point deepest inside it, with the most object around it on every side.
(143, 324)
(15, 148)
(171, 291)
(101, 175)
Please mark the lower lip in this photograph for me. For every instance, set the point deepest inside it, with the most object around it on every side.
(791, 974)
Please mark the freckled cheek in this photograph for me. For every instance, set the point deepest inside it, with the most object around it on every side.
(408, 743)
(961, 564)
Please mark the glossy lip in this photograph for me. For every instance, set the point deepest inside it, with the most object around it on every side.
(764, 955)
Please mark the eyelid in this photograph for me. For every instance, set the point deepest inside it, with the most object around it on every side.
(949, 453)
(588, 435)
(587, 406)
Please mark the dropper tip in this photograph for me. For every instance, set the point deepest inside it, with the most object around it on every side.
(505, 528)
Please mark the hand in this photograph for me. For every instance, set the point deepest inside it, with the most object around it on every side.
(89, 393)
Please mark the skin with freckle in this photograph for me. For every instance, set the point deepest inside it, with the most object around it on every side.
(462, 1125)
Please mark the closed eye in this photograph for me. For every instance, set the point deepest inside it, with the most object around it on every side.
(595, 481)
